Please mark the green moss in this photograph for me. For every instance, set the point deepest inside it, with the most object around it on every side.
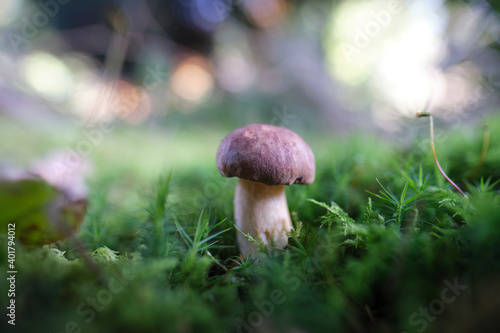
(387, 243)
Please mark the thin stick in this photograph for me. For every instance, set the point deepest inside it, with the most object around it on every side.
(484, 151)
(217, 261)
(436, 159)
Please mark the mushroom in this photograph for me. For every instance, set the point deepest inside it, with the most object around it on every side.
(265, 158)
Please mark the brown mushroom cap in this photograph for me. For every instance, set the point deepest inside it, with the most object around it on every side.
(266, 154)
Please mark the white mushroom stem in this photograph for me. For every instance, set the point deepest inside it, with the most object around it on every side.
(262, 212)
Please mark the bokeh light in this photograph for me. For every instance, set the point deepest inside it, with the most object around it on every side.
(346, 60)
(214, 11)
(393, 49)
(192, 79)
(10, 10)
(202, 14)
(235, 71)
(47, 75)
(265, 13)
(130, 102)
(98, 101)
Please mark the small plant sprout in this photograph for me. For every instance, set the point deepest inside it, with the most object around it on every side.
(433, 147)
(484, 151)
(265, 158)
(201, 242)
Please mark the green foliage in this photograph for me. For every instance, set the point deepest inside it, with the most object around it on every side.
(104, 254)
(397, 207)
(391, 238)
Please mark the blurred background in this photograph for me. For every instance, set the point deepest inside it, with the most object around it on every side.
(149, 85)
(101, 98)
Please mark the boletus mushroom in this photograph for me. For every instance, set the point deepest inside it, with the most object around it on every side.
(265, 158)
